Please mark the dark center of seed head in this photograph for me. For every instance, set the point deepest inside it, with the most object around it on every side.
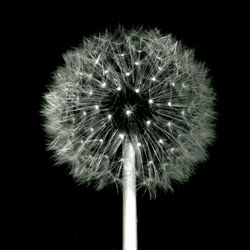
(130, 110)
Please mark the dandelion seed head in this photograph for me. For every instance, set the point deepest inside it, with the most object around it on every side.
(100, 99)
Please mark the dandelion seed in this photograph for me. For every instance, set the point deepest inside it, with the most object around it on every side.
(152, 96)
(128, 112)
(121, 136)
(104, 84)
(97, 60)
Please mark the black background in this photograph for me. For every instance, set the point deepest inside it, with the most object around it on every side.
(46, 209)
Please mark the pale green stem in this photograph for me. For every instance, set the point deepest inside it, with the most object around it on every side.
(129, 198)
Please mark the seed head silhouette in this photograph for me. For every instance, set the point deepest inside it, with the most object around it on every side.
(136, 86)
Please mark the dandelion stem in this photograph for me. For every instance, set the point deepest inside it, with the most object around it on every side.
(129, 198)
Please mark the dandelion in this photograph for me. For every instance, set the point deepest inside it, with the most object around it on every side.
(183, 107)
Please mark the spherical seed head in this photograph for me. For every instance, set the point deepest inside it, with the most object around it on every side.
(172, 122)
